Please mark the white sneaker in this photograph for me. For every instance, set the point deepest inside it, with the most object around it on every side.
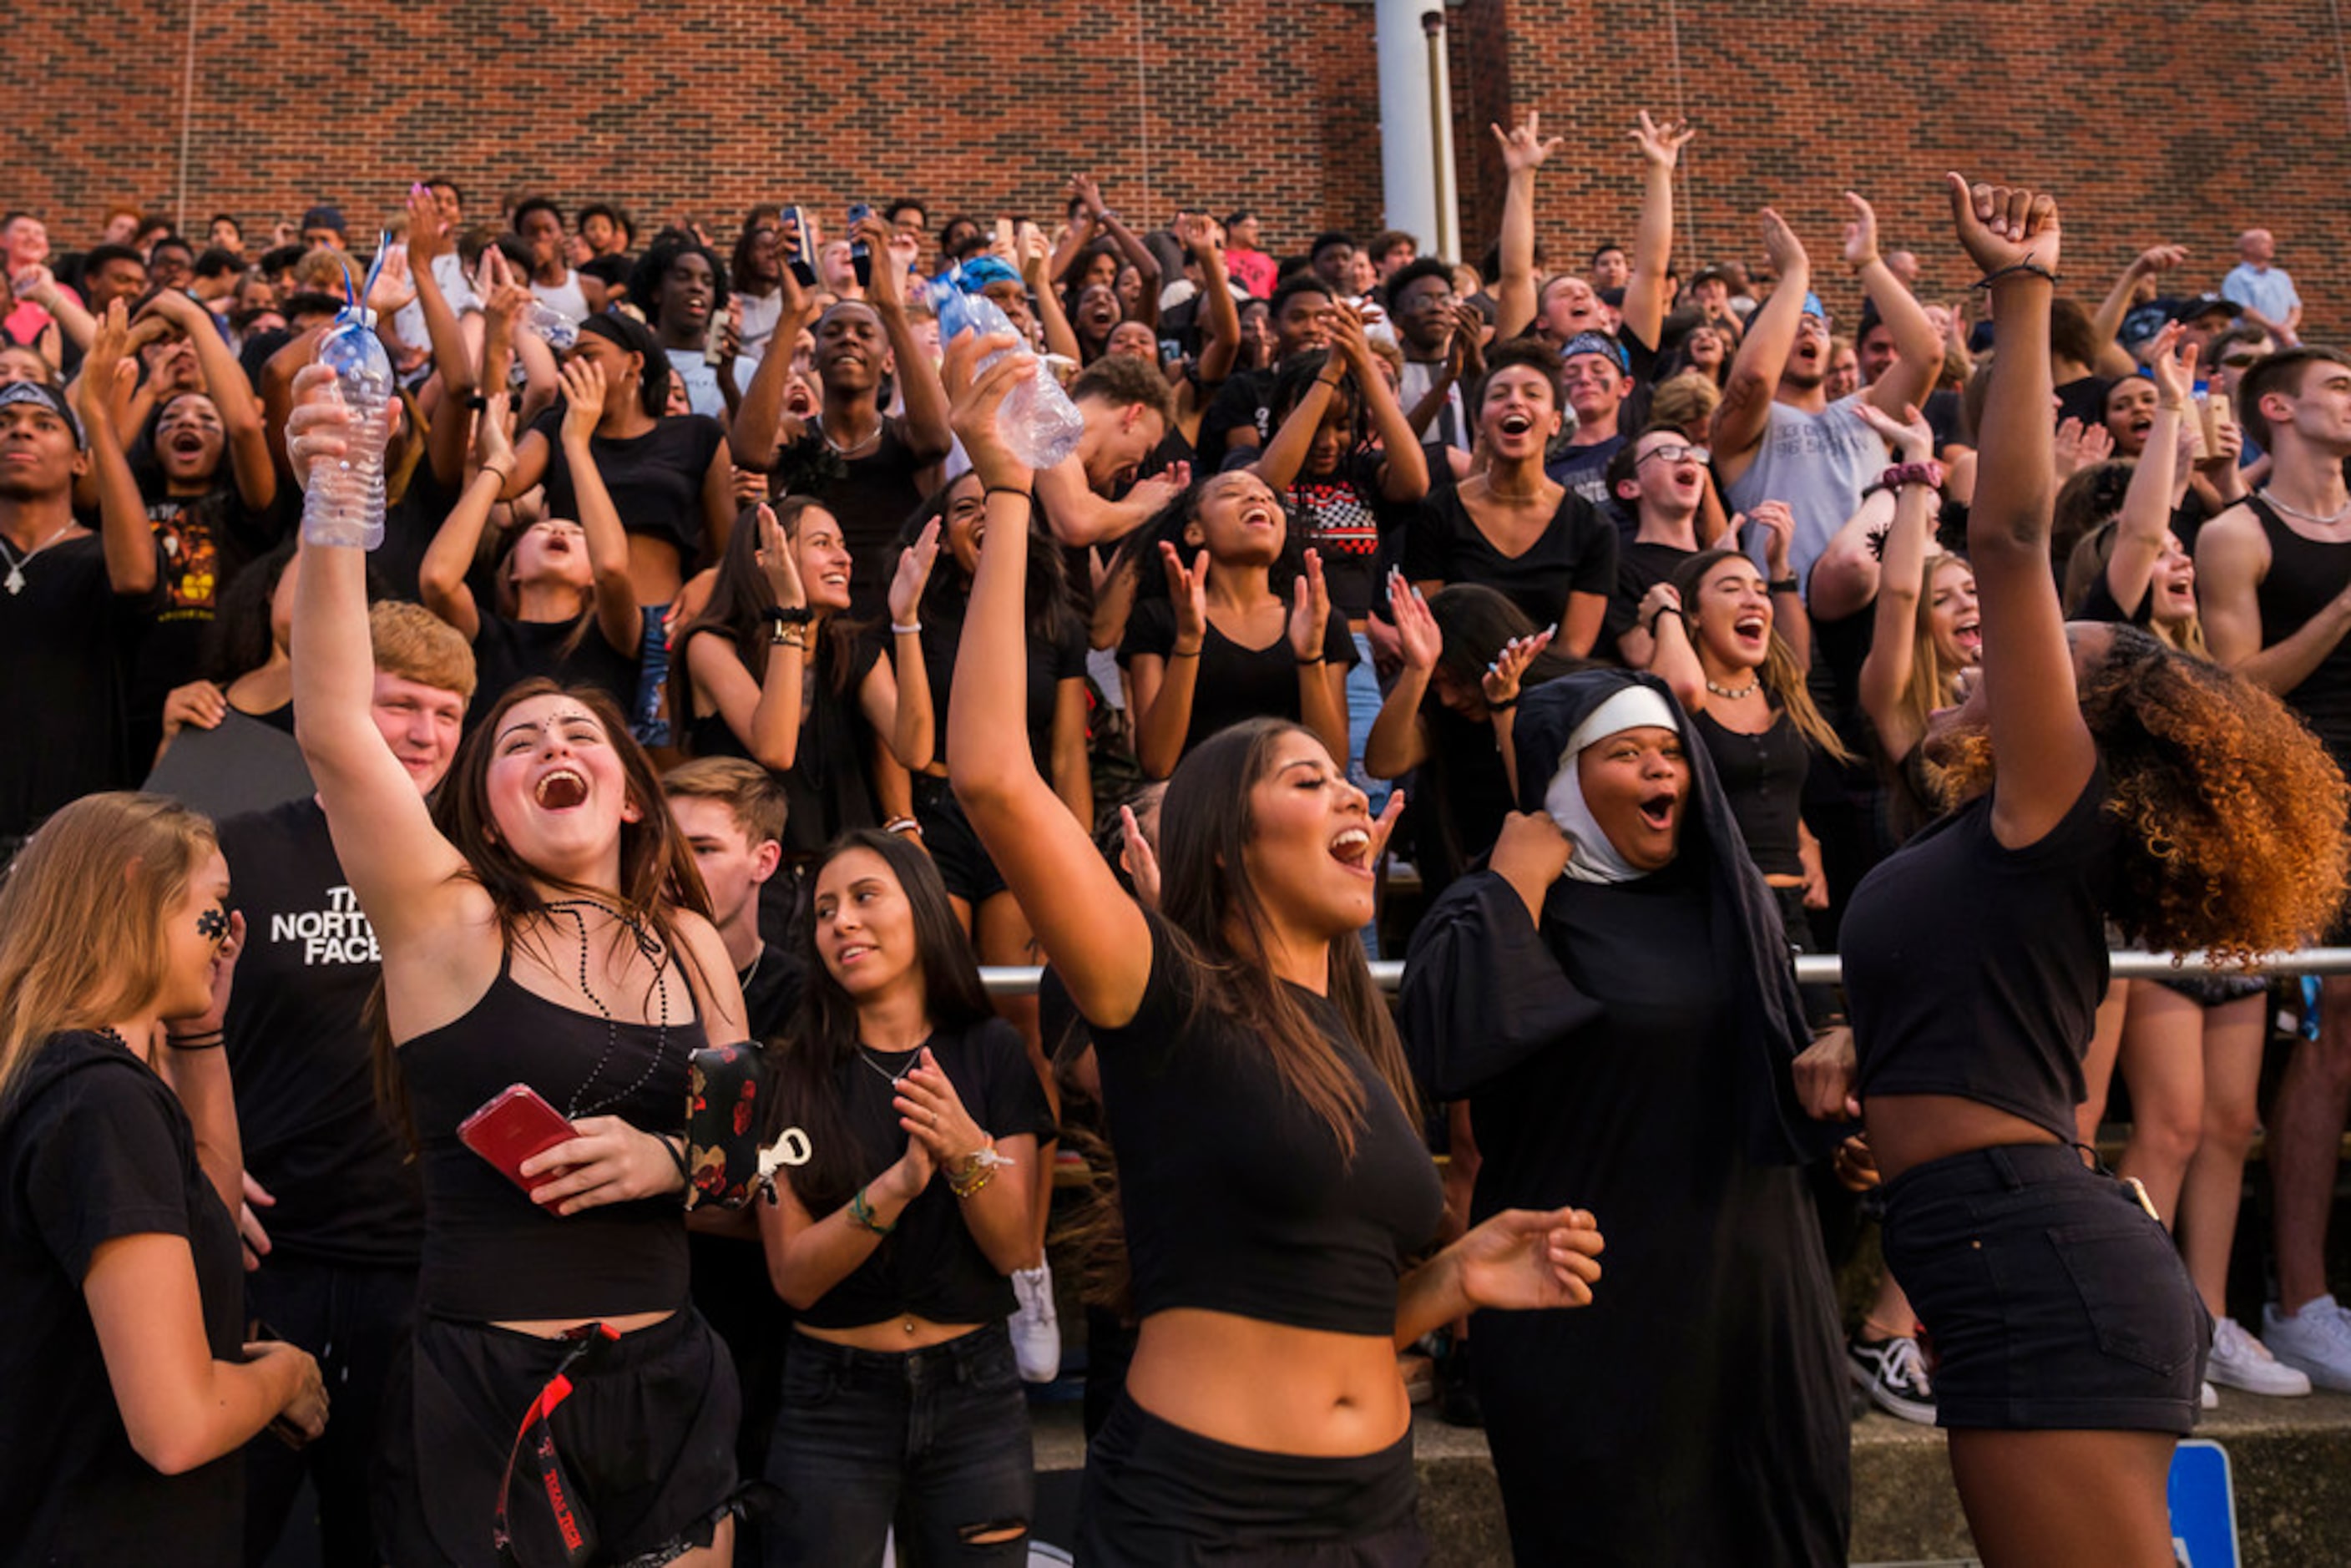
(1895, 1374)
(1036, 1330)
(2210, 1398)
(2241, 1361)
(2317, 1340)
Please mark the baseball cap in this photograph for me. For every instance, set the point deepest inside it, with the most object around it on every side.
(325, 217)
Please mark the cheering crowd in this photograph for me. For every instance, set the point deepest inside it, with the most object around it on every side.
(491, 1025)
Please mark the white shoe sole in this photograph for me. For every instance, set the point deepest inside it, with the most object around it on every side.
(2320, 1373)
(2274, 1379)
(1917, 1413)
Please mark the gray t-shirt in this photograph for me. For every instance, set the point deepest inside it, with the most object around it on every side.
(1818, 463)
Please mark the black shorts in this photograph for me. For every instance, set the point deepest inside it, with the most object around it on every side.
(1157, 1496)
(646, 1438)
(2051, 1300)
(963, 860)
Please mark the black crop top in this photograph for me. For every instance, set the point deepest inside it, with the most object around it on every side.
(1975, 969)
(1764, 784)
(930, 1263)
(1237, 1199)
(490, 1253)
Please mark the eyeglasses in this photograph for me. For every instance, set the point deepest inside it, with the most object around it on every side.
(1673, 452)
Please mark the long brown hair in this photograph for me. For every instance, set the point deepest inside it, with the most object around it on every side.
(81, 916)
(740, 600)
(658, 876)
(1781, 674)
(1210, 907)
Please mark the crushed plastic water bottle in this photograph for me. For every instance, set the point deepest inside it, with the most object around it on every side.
(1038, 420)
(345, 503)
(545, 321)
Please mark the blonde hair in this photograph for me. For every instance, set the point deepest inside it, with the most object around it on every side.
(1684, 401)
(2088, 564)
(748, 791)
(1931, 686)
(81, 916)
(415, 644)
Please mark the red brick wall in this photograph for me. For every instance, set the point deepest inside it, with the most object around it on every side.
(2187, 128)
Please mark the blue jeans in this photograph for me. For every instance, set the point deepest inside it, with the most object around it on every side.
(1364, 698)
(652, 673)
(937, 1439)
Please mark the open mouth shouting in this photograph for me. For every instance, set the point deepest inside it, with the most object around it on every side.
(1661, 808)
(1352, 849)
(1753, 630)
(561, 789)
(1969, 635)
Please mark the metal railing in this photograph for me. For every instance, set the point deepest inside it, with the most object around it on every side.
(1826, 969)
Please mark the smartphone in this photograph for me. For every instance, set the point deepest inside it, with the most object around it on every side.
(515, 1125)
(861, 256)
(795, 247)
(1007, 239)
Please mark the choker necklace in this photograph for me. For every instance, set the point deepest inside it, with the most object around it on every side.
(15, 582)
(1754, 682)
(2322, 519)
(648, 946)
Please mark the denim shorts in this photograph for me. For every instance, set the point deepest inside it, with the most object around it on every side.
(935, 1439)
(2051, 1300)
(1157, 1496)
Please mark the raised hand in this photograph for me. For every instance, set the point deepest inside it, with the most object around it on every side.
(1783, 248)
(493, 446)
(107, 367)
(392, 289)
(2080, 447)
(915, 563)
(975, 398)
(1198, 231)
(2172, 368)
(1912, 440)
(428, 231)
(1417, 636)
(1778, 526)
(1088, 191)
(1661, 597)
(1523, 146)
(583, 397)
(1499, 683)
(1465, 352)
(1860, 231)
(887, 291)
(1661, 144)
(2159, 258)
(1187, 591)
(776, 563)
(1344, 322)
(1141, 861)
(2004, 227)
(1310, 608)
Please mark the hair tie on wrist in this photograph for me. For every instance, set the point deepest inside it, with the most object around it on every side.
(988, 490)
(1315, 660)
(1181, 653)
(1505, 705)
(798, 615)
(676, 1151)
(912, 629)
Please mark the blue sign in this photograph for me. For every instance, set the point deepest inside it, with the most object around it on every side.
(2203, 1497)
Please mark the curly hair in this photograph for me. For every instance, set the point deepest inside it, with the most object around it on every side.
(2234, 813)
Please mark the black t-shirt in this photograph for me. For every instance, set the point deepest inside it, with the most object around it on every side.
(1639, 568)
(1763, 778)
(301, 1052)
(829, 788)
(508, 652)
(655, 479)
(66, 643)
(1237, 1198)
(94, 1147)
(930, 1265)
(2083, 398)
(1975, 969)
(871, 494)
(1233, 683)
(771, 990)
(1577, 554)
(1244, 403)
(205, 539)
(410, 521)
(1047, 666)
(1584, 469)
(1346, 518)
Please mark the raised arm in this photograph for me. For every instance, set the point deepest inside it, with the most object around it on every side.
(1754, 380)
(1399, 742)
(125, 537)
(618, 616)
(442, 577)
(912, 726)
(1917, 345)
(1660, 147)
(927, 435)
(763, 715)
(1893, 647)
(2108, 319)
(1137, 254)
(2144, 525)
(1777, 525)
(1096, 935)
(759, 426)
(231, 390)
(1054, 321)
(1844, 575)
(428, 240)
(1163, 688)
(1321, 688)
(1220, 316)
(1280, 459)
(2043, 746)
(1515, 296)
(406, 875)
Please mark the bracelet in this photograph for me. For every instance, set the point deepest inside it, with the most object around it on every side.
(1181, 653)
(676, 1152)
(860, 1214)
(902, 825)
(1332, 385)
(1787, 585)
(798, 615)
(912, 629)
(1505, 705)
(783, 636)
(968, 1185)
(1315, 660)
(2026, 267)
(211, 1040)
(1929, 474)
(504, 477)
(1658, 614)
(477, 402)
(985, 491)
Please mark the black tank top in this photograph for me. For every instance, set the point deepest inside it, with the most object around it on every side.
(490, 1253)
(1763, 783)
(1975, 969)
(2305, 577)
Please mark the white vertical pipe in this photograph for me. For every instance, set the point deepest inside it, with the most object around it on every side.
(1446, 241)
(1407, 160)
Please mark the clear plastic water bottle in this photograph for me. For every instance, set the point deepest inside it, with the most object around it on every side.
(545, 321)
(1038, 420)
(345, 503)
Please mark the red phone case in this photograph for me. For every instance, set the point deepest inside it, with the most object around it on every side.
(515, 1125)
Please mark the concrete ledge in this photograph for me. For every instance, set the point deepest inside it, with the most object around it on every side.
(2291, 1459)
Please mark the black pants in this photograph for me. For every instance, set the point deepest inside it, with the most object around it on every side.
(354, 1321)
